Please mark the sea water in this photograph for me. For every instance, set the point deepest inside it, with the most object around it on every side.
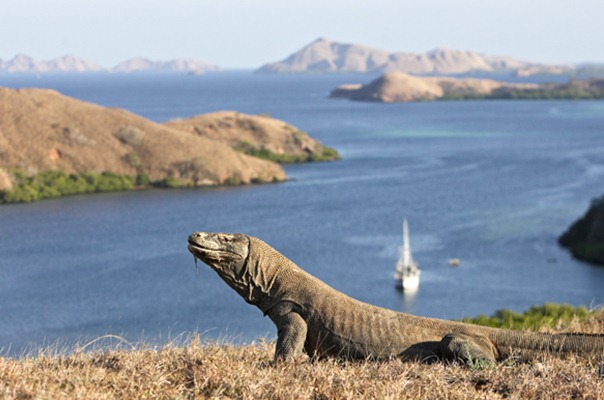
(492, 183)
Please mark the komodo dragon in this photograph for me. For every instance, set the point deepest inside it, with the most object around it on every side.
(314, 318)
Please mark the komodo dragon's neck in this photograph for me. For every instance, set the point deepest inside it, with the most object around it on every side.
(277, 279)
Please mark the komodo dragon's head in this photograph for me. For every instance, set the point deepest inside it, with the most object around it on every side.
(247, 264)
(227, 254)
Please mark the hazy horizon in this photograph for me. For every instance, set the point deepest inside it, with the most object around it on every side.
(238, 34)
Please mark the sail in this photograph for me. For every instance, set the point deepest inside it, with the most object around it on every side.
(407, 273)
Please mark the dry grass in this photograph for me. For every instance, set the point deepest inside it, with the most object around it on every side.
(215, 370)
(224, 371)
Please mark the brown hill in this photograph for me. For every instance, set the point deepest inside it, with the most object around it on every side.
(400, 87)
(44, 130)
(260, 136)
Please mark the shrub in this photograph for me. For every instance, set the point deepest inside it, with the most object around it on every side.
(547, 315)
(323, 154)
(169, 182)
(142, 180)
(130, 135)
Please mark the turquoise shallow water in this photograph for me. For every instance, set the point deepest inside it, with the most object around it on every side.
(490, 183)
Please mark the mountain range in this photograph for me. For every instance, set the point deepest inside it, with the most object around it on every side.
(69, 63)
(326, 56)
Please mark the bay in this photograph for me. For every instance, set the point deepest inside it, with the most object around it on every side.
(491, 183)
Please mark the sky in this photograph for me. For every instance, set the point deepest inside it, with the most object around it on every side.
(249, 33)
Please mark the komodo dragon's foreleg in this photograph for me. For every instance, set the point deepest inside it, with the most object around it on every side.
(291, 335)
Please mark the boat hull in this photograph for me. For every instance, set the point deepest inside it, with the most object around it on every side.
(409, 282)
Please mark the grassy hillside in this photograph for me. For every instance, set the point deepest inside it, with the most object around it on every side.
(225, 371)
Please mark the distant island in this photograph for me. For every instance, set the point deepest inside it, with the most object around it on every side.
(53, 145)
(327, 56)
(585, 237)
(22, 63)
(396, 87)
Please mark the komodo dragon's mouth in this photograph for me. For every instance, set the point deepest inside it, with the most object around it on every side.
(200, 251)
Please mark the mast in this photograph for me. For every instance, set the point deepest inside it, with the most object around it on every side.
(406, 256)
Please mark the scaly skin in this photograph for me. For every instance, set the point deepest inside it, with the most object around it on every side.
(315, 319)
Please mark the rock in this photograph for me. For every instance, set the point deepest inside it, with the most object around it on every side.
(585, 237)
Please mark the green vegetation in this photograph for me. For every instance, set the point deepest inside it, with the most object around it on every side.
(327, 154)
(588, 251)
(574, 90)
(51, 184)
(578, 89)
(170, 182)
(324, 154)
(584, 237)
(549, 315)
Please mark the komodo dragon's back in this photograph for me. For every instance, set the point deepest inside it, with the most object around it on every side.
(313, 318)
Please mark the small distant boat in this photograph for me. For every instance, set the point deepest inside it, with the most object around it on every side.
(407, 271)
(454, 262)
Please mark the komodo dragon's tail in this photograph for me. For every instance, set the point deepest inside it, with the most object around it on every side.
(527, 345)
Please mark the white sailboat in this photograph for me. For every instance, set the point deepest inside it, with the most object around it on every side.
(407, 272)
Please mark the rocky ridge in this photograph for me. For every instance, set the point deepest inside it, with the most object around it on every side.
(326, 56)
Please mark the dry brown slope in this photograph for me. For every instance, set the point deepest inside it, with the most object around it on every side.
(43, 130)
(256, 133)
